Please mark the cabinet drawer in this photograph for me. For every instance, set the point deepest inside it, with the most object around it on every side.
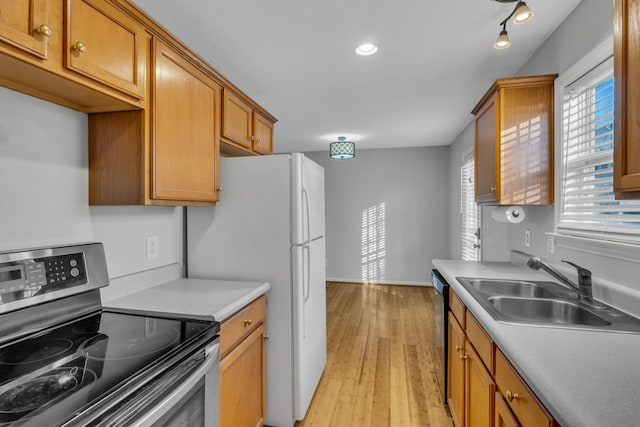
(519, 397)
(457, 307)
(481, 341)
(237, 327)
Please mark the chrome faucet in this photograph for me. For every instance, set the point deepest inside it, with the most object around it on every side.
(583, 288)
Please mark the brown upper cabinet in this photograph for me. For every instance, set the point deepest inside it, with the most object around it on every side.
(155, 107)
(167, 154)
(244, 129)
(25, 25)
(514, 142)
(105, 45)
(83, 54)
(185, 128)
(626, 165)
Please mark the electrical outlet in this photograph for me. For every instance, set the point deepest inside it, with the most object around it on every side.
(527, 238)
(152, 247)
(551, 244)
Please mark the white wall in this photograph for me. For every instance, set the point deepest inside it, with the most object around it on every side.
(44, 191)
(413, 185)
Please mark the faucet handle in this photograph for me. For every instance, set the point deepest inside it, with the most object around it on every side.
(584, 275)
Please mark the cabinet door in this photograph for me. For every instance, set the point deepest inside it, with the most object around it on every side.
(455, 374)
(479, 391)
(626, 166)
(106, 45)
(185, 123)
(503, 415)
(519, 397)
(237, 120)
(24, 24)
(487, 159)
(263, 134)
(242, 381)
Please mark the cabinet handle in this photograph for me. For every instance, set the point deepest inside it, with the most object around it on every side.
(79, 47)
(493, 189)
(266, 337)
(463, 357)
(44, 30)
(458, 347)
(248, 322)
(511, 396)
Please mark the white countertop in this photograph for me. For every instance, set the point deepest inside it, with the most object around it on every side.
(584, 378)
(218, 299)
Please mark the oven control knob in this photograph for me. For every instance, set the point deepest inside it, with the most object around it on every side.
(75, 272)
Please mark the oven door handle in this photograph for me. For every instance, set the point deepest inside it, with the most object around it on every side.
(177, 387)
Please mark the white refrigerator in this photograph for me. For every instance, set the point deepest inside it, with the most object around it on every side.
(269, 226)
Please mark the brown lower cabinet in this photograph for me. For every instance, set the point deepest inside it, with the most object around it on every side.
(484, 389)
(242, 367)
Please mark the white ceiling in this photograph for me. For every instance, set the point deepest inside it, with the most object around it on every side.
(296, 58)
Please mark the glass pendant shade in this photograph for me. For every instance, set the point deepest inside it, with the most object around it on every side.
(503, 40)
(342, 149)
(522, 13)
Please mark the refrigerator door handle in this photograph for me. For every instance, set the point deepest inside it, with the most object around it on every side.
(306, 283)
(307, 214)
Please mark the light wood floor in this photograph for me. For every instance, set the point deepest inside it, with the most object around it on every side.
(379, 370)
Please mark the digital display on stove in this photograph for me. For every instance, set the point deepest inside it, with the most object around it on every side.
(9, 275)
(80, 363)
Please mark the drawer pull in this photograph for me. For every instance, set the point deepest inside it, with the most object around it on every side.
(511, 396)
(248, 322)
(79, 47)
(44, 30)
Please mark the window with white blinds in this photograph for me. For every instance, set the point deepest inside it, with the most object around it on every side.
(469, 212)
(588, 207)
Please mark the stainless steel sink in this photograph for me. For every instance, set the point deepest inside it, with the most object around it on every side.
(513, 288)
(546, 311)
(543, 303)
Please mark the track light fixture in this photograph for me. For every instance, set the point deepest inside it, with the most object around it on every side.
(521, 14)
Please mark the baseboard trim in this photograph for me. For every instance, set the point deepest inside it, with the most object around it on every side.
(381, 282)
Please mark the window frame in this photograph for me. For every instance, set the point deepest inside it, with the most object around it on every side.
(466, 159)
(600, 242)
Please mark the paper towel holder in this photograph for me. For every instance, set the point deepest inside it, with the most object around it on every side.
(508, 214)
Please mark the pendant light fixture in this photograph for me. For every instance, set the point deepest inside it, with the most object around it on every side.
(521, 13)
(342, 149)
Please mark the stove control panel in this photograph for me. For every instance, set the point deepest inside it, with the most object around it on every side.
(25, 278)
(30, 277)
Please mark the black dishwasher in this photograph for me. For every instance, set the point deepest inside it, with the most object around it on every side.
(440, 330)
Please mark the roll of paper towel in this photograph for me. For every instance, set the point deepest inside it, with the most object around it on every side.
(509, 214)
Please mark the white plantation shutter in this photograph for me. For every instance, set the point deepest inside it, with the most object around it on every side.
(469, 211)
(588, 206)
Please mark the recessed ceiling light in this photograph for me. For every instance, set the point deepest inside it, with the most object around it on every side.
(366, 49)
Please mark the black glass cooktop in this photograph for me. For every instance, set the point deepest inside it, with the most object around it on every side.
(46, 377)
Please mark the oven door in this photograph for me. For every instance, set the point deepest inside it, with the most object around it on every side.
(193, 402)
(185, 396)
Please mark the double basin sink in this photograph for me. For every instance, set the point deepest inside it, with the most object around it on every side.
(545, 304)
